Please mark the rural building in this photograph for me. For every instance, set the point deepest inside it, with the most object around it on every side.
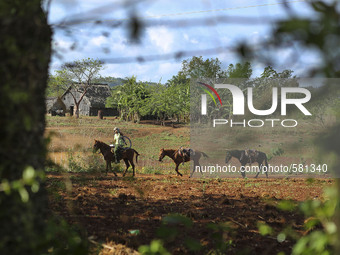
(93, 101)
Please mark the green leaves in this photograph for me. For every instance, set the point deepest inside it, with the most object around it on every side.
(319, 33)
(286, 205)
(264, 229)
(321, 216)
(30, 177)
(177, 219)
(155, 248)
(197, 67)
(135, 99)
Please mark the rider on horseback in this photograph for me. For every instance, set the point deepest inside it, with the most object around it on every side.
(185, 153)
(250, 154)
(119, 143)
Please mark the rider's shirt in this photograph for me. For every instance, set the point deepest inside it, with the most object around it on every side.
(119, 139)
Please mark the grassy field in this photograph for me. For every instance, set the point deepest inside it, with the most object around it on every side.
(190, 216)
(71, 141)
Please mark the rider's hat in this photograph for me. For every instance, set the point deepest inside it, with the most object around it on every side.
(116, 129)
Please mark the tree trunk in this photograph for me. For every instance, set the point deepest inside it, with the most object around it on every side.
(177, 118)
(77, 110)
(25, 48)
(100, 114)
(137, 117)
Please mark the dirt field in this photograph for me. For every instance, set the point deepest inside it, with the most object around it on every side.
(124, 213)
(111, 208)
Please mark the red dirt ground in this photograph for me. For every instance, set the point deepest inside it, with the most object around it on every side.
(108, 208)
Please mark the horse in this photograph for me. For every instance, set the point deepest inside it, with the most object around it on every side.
(178, 158)
(258, 157)
(127, 156)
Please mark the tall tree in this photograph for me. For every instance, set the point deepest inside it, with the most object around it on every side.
(25, 48)
(53, 87)
(129, 98)
(77, 77)
(197, 67)
(179, 89)
(239, 70)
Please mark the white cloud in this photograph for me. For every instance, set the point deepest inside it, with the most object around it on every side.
(99, 40)
(188, 39)
(193, 41)
(156, 40)
(63, 44)
(161, 38)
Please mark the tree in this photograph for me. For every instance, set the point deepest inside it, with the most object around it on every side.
(53, 87)
(77, 77)
(239, 70)
(264, 84)
(25, 48)
(179, 90)
(129, 98)
(197, 67)
(160, 103)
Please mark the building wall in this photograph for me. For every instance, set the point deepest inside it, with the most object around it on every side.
(84, 107)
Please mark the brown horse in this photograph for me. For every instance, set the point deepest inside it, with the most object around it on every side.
(177, 157)
(258, 156)
(127, 156)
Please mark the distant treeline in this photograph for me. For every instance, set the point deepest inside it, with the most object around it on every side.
(135, 99)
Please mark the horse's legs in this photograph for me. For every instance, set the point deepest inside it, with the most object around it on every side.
(109, 167)
(112, 170)
(127, 166)
(196, 163)
(260, 167)
(193, 170)
(176, 169)
(266, 169)
(133, 167)
(243, 173)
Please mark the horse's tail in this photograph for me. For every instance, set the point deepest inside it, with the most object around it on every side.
(205, 155)
(137, 154)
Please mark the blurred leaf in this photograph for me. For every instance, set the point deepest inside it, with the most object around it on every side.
(264, 229)
(286, 205)
(193, 245)
(281, 237)
(311, 222)
(167, 233)
(177, 219)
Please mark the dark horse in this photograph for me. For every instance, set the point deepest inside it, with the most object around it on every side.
(178, 158)
(127, 156)
(258, 157)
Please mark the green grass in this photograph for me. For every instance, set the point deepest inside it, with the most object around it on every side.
(297, 144)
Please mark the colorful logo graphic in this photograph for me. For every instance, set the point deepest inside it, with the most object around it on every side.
(209, 93)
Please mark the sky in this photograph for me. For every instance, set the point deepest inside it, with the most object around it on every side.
(207, 28)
